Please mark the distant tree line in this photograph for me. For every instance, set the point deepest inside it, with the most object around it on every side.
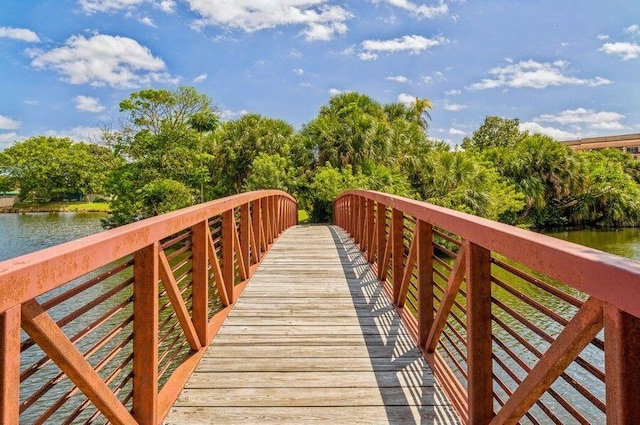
(172, 150)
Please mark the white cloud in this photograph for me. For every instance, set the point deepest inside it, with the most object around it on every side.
(456, 132)
(421, 10)
(555, 133)
(92, 6)
(7, 123)
(147, 21)
(21, 34)
(335, 92)
(412, 43)
(101, 60)
(7, 139)
(633, 29)
(167, 6)
(455, 107)
(598, 120)
(626, 51)
(367, 56)
(407, 99)
(426, 78)
(453, 92)
(88, 104)
(535, 75)
(298, 71)
(228, 114)
(603, 37)
(295, 53)
(31, 102)
(321, 20)
(398, 79)
(79, 134)
(200, 78)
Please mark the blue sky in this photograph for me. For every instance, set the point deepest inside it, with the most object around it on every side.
(569, 68)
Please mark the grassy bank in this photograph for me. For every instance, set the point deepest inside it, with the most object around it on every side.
(22, 207)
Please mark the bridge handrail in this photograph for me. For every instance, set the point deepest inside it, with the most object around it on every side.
(203, 256)
(412, 245)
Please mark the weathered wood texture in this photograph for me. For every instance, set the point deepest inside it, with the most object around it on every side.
(312, 340)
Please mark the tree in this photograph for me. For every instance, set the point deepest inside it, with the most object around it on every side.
(52, 168)
(545, 171)
(351, 129)
(240, 142)
(165, 136)
(495, 132)
(270, 172)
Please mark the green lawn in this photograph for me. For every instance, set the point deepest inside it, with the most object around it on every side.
(303, 217)
(63, 206)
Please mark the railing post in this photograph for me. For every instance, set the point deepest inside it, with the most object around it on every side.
(145, 334)
(397, 251)
(424, 235)
(622, 366)
(353, 219)
(245, 237)
(10, 366)
(228, 260)
(255, 224)
(370, 234)
(381, 234)
(200, 288)
(479, 343)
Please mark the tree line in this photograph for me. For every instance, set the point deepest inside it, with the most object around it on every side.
(172, 150)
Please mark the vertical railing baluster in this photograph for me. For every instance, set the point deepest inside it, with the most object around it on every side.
(397, 251)
(10, 366)
(228, 257)
(370, 230)
(255, 224)
(424, 239)
(354, 213)
(381, 234)
(200, 286)
(145, 334)
(622, 366)
(479, 343)
(245, 237)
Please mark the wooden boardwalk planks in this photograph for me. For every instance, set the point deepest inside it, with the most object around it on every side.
(312, 340)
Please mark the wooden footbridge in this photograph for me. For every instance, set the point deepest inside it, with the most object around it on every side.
(400, 312)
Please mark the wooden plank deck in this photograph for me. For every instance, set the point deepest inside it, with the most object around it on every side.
(312, 340)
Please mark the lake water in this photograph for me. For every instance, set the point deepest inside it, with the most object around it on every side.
(24, 233)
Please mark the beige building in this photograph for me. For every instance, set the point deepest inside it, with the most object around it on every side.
(627, 142)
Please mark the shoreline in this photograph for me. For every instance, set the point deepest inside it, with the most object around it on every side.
(57, 207)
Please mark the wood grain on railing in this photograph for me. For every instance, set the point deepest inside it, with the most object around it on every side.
(514, 324)
(110, 326)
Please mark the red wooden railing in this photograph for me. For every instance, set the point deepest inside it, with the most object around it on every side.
(517, 326)
(109, 327)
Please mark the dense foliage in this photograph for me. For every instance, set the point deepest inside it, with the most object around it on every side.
(173, 151)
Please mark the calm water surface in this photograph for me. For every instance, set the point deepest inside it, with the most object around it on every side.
(24, 233)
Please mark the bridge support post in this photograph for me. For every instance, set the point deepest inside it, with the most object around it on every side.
(10, 366)
(145, 334)
(381, 235)
(397, 251)
(257, 235)
(370, 233)
(200, 289)
(228, 260)
(622, 365)
(479, 343)
(424, 234)
(245, 237)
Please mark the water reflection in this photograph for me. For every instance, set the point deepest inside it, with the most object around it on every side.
(24, 233)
